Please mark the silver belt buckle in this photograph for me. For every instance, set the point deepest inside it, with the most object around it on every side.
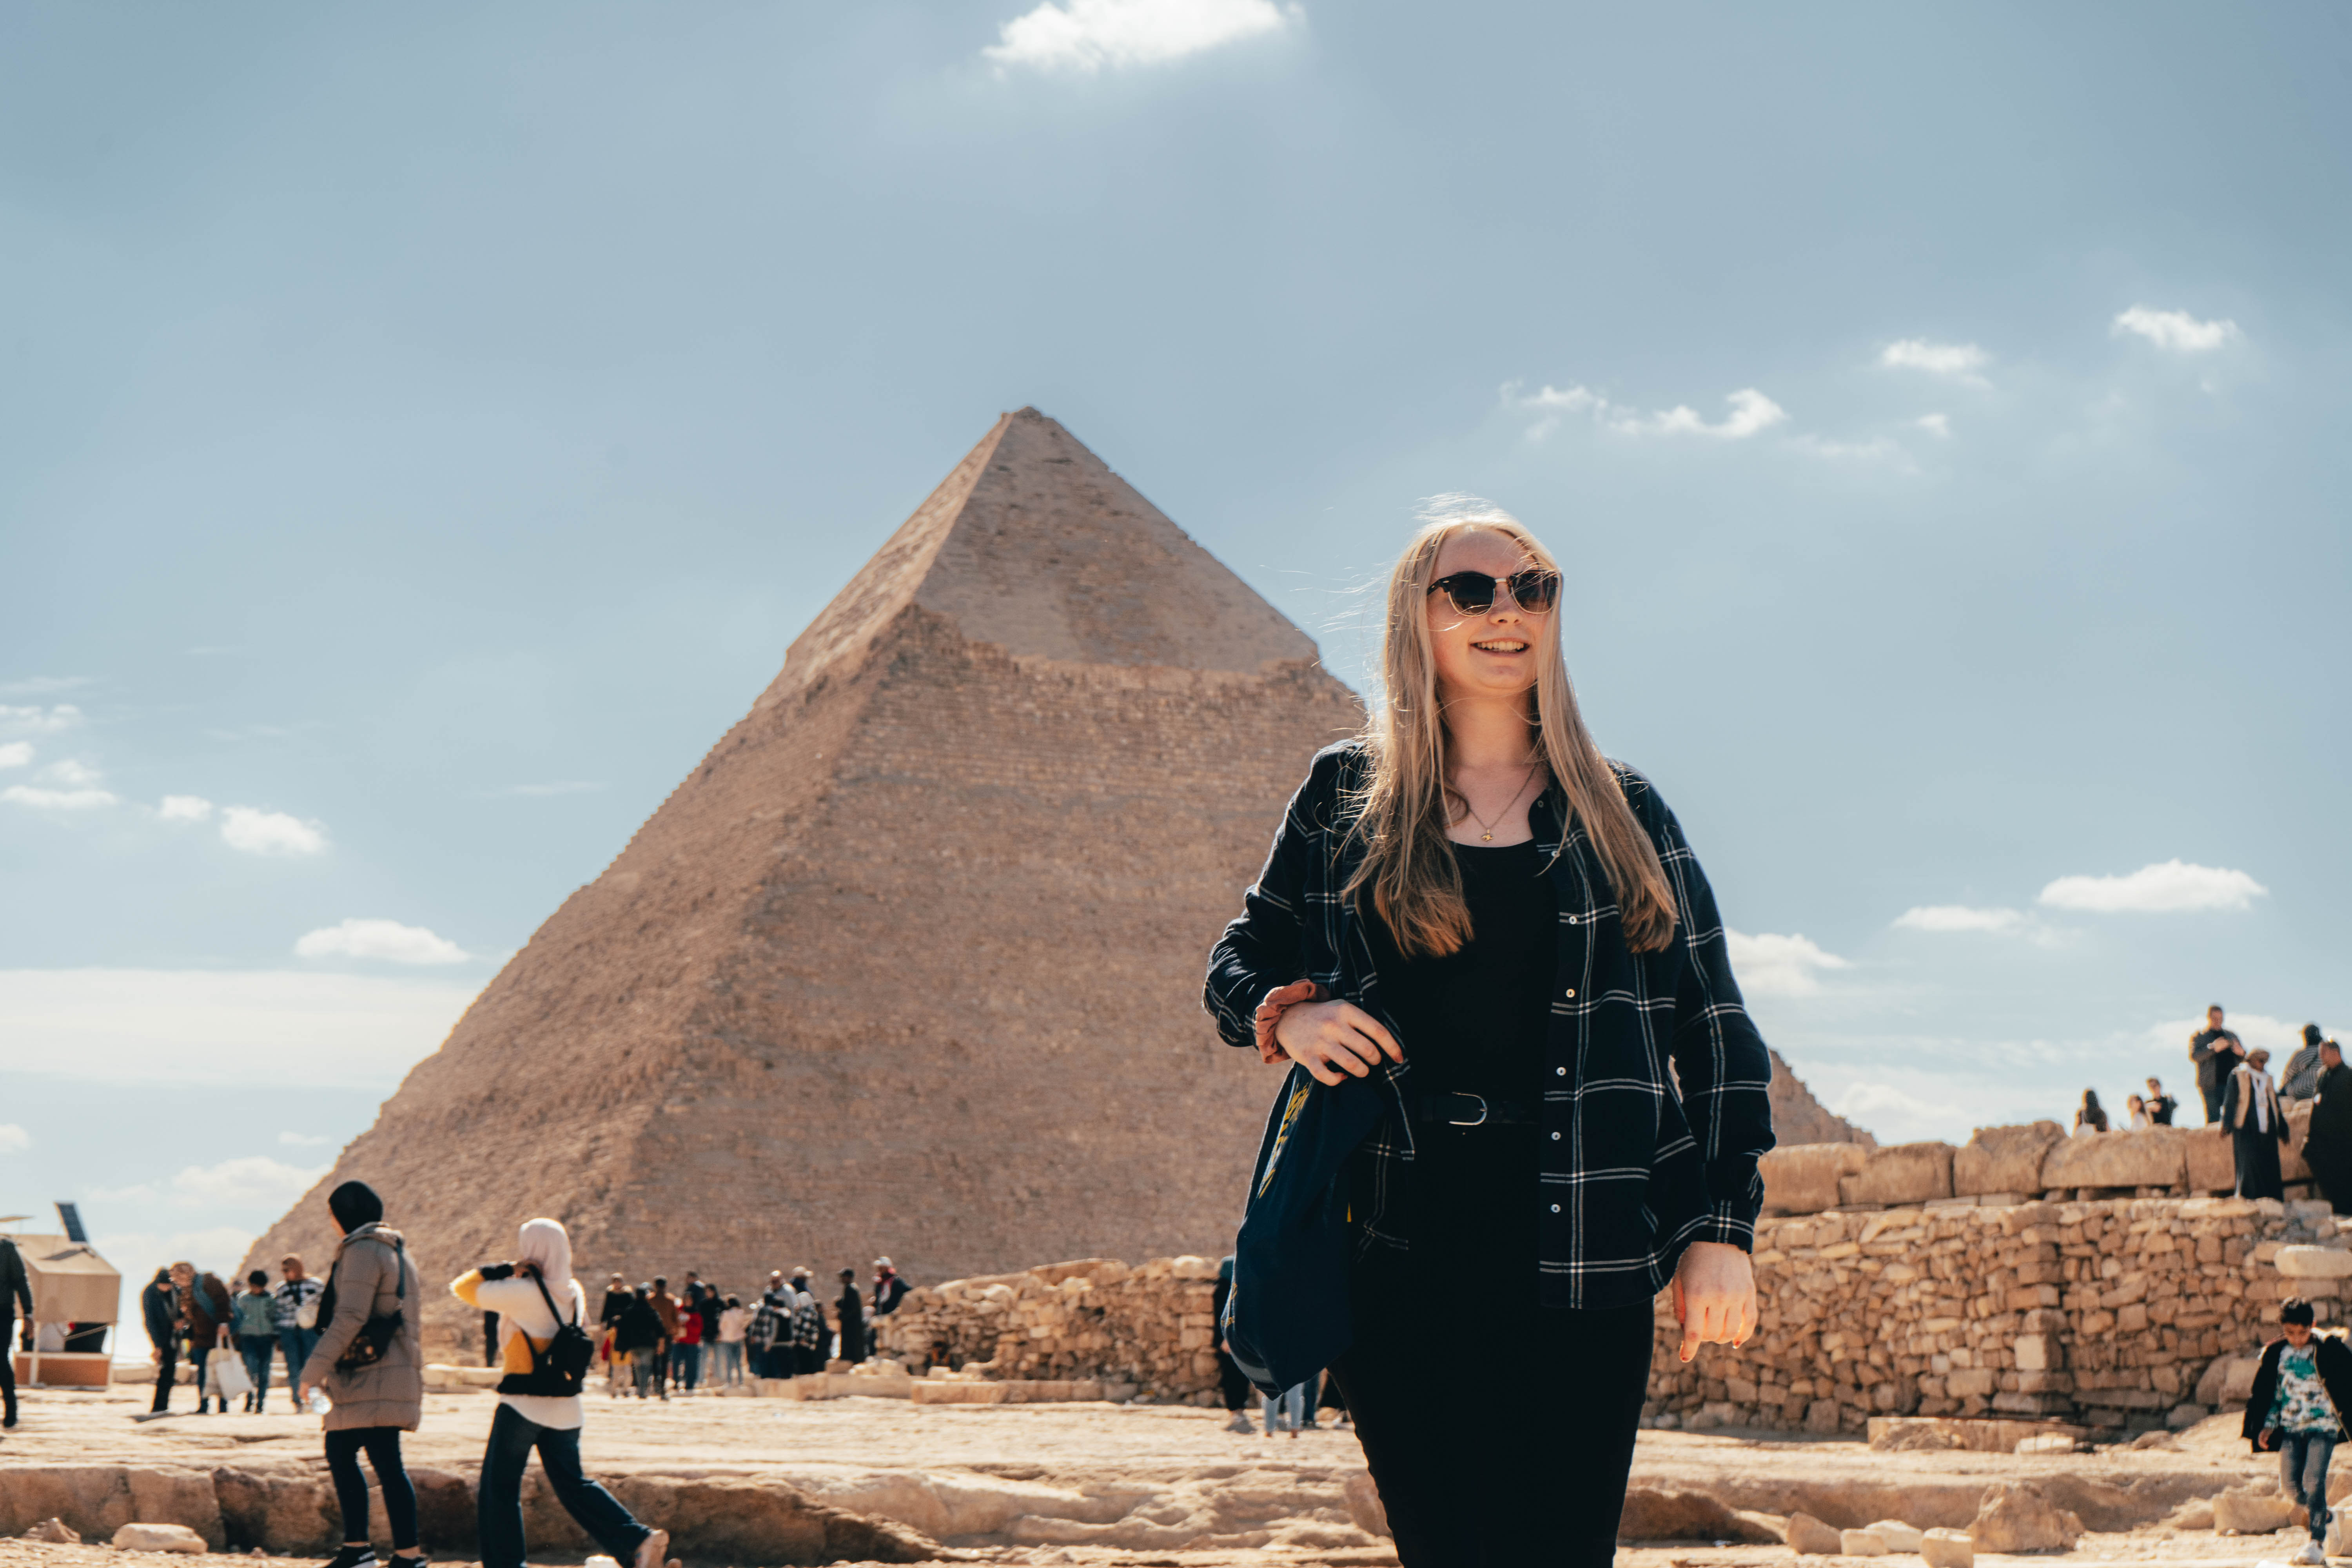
(1456, 1121)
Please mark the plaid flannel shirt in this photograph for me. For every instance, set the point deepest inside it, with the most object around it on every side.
(1639, 1159)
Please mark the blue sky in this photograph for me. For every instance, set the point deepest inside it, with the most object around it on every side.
(423, 430)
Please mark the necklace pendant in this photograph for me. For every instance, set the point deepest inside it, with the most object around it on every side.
(1488, 836)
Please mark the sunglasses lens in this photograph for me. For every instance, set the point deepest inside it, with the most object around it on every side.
(1535, 590)
(1472, 593)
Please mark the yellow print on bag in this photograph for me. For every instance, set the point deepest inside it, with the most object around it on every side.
(1282, 1133)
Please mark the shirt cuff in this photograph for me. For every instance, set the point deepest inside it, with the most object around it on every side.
(1729, 1224)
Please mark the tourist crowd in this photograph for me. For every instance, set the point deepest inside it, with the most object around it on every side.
(2240, 1094)
(651, 1341)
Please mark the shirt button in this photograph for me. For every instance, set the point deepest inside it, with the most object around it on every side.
(1555, 1208)
(1571, 991)
(1559, 1072)
(1555, 1137)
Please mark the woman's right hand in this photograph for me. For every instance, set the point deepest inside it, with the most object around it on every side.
(1335, 1040)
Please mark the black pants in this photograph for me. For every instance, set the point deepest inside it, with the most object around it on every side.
(513, 1436)
(167, 1368)
(8, 1369)
(1470, 1481)
(2258, 1162)
(382, 1445)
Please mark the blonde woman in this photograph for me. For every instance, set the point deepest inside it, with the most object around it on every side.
(1471, 914)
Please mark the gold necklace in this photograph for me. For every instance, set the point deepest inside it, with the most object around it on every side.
(1488, 828)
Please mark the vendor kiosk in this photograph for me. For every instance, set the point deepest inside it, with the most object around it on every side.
(76, 1296)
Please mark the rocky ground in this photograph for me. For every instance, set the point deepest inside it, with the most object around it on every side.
(1141, 1484)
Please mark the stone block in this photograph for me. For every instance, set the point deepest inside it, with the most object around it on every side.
(2155, 1158)
(1809, 1537)
(2039, 1353)
(2313, 1263)
(1898, 1536)
(158, 1538)
(2003, 1159)
(1803, 1178)
(1906, 1173)
(1948, 1549)
(2015, 1516)
(1861, 1543)
(2241, 1512)
(1364, 1506)
(2211, 1165)
(1668, 1513)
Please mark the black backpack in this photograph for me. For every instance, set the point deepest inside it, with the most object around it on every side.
(557, 1371)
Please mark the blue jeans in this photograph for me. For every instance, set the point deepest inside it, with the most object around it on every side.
(257, 1351)
(728, 1366)
(298, 1344)
(498, 1511)
(1283, 1412)
(2303, 1471)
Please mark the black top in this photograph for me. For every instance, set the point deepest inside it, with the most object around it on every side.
(1476, 1020)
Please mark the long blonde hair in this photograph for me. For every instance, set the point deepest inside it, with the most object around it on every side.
(1402, 809)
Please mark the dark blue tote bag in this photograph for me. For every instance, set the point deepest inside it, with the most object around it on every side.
(1286, 1318)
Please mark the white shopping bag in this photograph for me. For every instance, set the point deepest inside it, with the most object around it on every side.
(225, 1371)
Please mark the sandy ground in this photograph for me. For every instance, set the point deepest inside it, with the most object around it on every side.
(831, 1444)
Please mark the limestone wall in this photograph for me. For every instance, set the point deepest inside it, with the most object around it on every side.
(1149, 1327)
(2113, 1313)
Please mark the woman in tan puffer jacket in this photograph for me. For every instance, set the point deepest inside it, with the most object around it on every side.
(373, 1278)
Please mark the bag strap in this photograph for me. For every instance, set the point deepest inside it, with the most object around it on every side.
(541, 1283)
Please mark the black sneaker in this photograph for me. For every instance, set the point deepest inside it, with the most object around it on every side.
(354, 1557)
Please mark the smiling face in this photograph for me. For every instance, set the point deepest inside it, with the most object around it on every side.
(1490, 655)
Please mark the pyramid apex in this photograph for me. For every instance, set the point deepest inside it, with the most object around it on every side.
(1034, 546)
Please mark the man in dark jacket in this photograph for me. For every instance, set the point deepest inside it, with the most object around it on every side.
(2327, 1145)
(205, 1313)
(2303, 1381)
(15, 1284)
(2216, 1052)
(159, 1305)
(850, 1312)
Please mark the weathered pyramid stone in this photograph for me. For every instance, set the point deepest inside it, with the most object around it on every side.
(910, 962)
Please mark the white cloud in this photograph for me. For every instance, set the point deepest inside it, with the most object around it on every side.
(1751, 412)
(14, 1140)
(280, 1026)
(1957, 916)
(258, 832)
(1936, 424)
(16, 753)
(2169, 887)
(37, 720)
(247, 1181)
(42, 685)
(1873, 1104)
(72, 775)
(304, 1140)
(1877, 450)
(2175, 329)
(1088, 34)
(56, 799)
(184, 809)
(1771, 965)
(1954, 362)
(379, 938)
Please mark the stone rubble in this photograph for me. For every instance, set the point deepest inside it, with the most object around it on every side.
(1144, 1332)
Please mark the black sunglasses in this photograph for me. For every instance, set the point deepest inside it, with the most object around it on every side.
(1534, 590)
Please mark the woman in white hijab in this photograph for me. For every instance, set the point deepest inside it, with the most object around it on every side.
(539, 1408)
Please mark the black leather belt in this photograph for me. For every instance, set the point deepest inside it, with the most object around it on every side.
(1458, 1110)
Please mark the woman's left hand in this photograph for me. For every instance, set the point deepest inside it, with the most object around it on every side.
(1714, 1296)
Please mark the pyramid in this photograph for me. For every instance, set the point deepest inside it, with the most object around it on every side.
(911, 963)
